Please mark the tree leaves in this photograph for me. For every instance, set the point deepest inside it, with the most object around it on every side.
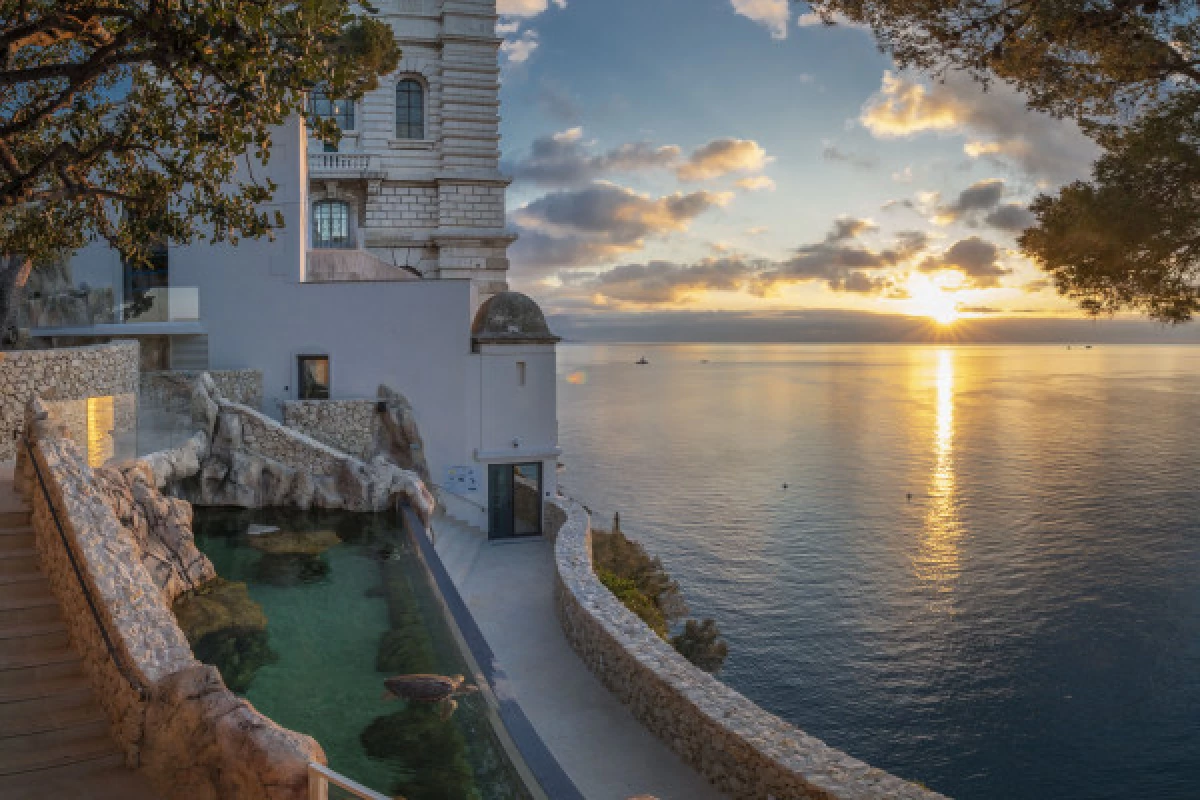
(1129, 73)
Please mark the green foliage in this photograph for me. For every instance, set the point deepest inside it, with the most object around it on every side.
(626, 590)
(700, 643)
(642, 584)
(129, 120)
(617, 553)
(1128, 72)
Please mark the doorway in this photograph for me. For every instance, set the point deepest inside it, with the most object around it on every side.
(514, 500)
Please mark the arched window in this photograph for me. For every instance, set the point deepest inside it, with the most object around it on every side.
(410, 110)
(331, 225)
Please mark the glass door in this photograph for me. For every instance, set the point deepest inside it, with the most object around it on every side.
(514, 500)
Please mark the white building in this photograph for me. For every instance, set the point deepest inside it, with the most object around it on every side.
(391, 270)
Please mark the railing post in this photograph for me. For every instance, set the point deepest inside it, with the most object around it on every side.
(318, 787)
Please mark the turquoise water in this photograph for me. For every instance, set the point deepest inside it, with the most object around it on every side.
(329, 616)
(983, 574)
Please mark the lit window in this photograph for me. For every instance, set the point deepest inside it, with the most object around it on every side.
(314, 377)
(331, 225)
(341, 111)
(410, 110)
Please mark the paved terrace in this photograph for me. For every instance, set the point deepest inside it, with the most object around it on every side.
(509, 589)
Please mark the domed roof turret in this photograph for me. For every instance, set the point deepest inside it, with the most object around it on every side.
(511, 318)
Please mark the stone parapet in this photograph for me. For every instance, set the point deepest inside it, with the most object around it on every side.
(172, 716)
(172, 390)
(67, 374)
(743, 750)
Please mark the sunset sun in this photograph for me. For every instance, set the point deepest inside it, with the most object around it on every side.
(931, 300)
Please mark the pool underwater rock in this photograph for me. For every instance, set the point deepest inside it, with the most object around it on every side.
(361, 610)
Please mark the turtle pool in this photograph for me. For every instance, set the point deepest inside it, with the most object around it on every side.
(309, 620)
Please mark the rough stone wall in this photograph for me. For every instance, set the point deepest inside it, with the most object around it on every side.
(741, 749)
(345, 425)
(64, 374)
(172, 390)
(174, 717)
(266, 437)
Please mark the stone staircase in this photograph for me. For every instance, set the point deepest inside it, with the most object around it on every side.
(54, 739)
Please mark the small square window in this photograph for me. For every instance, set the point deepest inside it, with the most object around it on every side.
(313, 383)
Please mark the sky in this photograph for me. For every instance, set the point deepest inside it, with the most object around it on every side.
(735, 156)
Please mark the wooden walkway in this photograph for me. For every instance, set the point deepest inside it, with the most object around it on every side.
(54, 738)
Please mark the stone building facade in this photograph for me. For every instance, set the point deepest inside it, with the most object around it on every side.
(417, 167)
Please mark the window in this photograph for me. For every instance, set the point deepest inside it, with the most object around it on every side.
(331, 225)
(520, 373)
(314, 377)
(410, 110)
(340, 111)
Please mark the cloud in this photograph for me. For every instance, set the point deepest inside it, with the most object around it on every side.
(722, 157)
(839, 261)
(565, 160)
(601, 222)
(774, 15)
(1012, 217)
(834, 153)
(663, 282)
(996, 123)
(977, 259)
(518, 50)
(980, 203)
(757, 183)
(844, 263)
(980, 196)
(525, 8)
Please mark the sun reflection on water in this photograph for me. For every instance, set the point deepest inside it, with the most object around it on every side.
(937, 562)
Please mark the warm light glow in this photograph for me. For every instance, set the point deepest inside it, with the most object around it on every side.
(577, 378)
(937, 562)
(931, 300)
(99, 430)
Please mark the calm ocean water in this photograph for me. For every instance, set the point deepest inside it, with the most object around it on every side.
(1026, 626)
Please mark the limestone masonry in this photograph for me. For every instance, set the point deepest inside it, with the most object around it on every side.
(743, 750)
(76, 373)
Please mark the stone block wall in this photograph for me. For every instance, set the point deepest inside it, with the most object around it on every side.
(742, 750)
(268, 438)
(64, 374)
(400, 206)
(346, 425)
(172, 390)
(470, 206)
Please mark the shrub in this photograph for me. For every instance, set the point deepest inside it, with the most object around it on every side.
(700, 643)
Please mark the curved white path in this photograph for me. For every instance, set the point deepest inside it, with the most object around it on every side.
(509, 589)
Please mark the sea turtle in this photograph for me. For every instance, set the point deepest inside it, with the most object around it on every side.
(437, 689)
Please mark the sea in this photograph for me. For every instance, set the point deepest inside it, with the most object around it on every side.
(977, 567)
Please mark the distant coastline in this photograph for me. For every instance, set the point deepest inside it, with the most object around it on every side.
(856, 327)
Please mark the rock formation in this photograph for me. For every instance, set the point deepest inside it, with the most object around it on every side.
(397, 438)
(243, 458)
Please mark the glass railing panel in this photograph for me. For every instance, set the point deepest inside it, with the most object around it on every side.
(164, 304)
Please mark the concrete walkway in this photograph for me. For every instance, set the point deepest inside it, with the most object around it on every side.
(509, 589)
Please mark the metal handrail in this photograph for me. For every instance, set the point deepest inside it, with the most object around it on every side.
(320, 777)
(123, 668)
